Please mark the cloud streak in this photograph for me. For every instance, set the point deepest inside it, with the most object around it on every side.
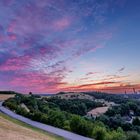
(43, 44)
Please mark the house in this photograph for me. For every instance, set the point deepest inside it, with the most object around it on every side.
(127, 119)
(131, 112)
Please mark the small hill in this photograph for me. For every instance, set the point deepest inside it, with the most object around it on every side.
(74, 95)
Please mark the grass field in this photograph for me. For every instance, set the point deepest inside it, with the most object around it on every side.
(17, 130)
(6, 96)
(13, 129)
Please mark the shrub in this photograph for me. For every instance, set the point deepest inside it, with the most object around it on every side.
(81, 126)
(115, 135)
(99, 133)
(133, 136)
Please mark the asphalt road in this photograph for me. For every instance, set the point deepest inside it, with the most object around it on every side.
(57, 131)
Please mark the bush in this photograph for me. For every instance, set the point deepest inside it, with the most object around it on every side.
(67, 125)
(136, 121)
(115, 135)
(81, 126)
(133, 136)
(44, 119)
(21, 111)
(56, 118)
(37, 116)
(99, 133)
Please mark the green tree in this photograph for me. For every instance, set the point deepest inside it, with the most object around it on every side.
(56, 118)
(67, 125)
(133, 136)
(136, 121)
(116, 135)
(99, 133)
(81, 126)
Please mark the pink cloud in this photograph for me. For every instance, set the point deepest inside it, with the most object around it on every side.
(12, 37)
(38, 82)
(15, 63)
(62, 23)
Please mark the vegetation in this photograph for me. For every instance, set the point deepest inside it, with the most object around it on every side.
(8, 92)
(74, 106)
(133, 136)
(51, 111)
(125, 108)
(118, 99)
(120, 116)
(51, 136)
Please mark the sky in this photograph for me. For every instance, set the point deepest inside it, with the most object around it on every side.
(48, 46)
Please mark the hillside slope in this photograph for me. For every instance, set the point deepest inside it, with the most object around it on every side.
(6, 96)
(12, 130)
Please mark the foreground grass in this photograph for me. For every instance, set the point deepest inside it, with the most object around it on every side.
(49, 135)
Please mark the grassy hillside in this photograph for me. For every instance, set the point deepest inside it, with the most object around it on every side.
(74, 95)
(14, 129)
(6, 96)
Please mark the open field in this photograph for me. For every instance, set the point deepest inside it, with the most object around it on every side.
(6, 96)
(16, 130)
(98, 111)
(75, 95)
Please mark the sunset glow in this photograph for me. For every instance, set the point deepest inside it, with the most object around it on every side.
(47, 46)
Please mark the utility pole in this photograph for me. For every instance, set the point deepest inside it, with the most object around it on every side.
(134, 91)
(125, 92)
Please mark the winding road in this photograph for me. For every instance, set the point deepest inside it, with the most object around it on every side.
(57, 131)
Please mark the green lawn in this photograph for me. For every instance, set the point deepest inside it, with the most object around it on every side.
(52, 136)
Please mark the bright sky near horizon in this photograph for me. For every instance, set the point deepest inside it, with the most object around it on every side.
(47, 46)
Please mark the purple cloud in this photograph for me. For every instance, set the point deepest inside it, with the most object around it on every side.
(40, 41)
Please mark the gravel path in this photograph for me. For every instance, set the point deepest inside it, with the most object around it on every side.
(63, 133)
